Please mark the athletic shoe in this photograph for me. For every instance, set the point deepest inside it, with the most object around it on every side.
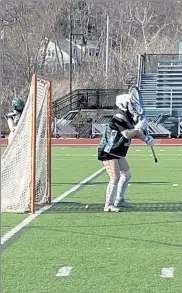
(111, 208)
(123, 204)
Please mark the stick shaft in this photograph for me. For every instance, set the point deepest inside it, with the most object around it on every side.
(154, 155)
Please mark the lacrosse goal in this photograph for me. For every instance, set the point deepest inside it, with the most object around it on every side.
(26, 161)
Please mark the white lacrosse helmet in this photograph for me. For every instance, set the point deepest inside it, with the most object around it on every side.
(122, 101)
(130, 102)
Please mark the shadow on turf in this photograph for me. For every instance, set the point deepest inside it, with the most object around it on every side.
(104, 183)
(65, 229)
(76, 207)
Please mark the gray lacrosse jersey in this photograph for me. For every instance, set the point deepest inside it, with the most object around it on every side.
(113, 144)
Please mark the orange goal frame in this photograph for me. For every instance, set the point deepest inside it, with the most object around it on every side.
(34, 140)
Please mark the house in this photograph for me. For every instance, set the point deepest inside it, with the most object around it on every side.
(55, 56)
(51, 53)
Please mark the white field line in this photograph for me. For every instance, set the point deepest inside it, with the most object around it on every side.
(130, 155)
(7, 236)
(140, 159)
(96, 145)
(64, 271)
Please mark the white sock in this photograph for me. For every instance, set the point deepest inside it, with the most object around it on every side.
(122, 186)
(111, 192)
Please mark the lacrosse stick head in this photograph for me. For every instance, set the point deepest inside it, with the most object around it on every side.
(136, 104)
(131, 103)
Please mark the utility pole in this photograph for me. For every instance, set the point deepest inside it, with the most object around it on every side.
(71, 54)
(1, 69)
(107, 48)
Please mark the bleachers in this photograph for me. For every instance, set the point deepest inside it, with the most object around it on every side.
(169, 84)
(162, 90)
(148, 89)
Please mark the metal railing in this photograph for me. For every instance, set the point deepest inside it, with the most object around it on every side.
(179, 127)
(86, 99)
(171, 98)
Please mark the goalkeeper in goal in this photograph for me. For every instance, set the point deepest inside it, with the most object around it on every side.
(14, 117)
(127, 124)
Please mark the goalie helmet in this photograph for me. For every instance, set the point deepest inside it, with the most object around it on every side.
(131, 103)
(18, 104)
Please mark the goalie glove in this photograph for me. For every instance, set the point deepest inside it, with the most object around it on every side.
(149, 140)
(142, 125)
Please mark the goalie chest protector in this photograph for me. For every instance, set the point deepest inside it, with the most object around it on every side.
(113, 144)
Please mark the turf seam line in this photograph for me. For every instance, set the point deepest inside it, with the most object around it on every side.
(7, 236)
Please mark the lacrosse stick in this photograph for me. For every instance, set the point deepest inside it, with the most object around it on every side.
(5, 117)
(136, 97)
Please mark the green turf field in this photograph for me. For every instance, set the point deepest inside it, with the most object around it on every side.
(108, 252)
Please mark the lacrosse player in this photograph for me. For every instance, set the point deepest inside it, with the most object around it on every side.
(14, 117)
(114, 145)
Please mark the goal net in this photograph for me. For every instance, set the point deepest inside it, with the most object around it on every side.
(26, 170)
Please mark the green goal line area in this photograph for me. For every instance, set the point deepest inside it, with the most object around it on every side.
(108, 252)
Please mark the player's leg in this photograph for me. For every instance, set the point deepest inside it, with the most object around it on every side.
(10, 137)
(12, 129)
(125, 176)
(113, 169)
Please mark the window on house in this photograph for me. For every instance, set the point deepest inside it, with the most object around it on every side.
(49, 53)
